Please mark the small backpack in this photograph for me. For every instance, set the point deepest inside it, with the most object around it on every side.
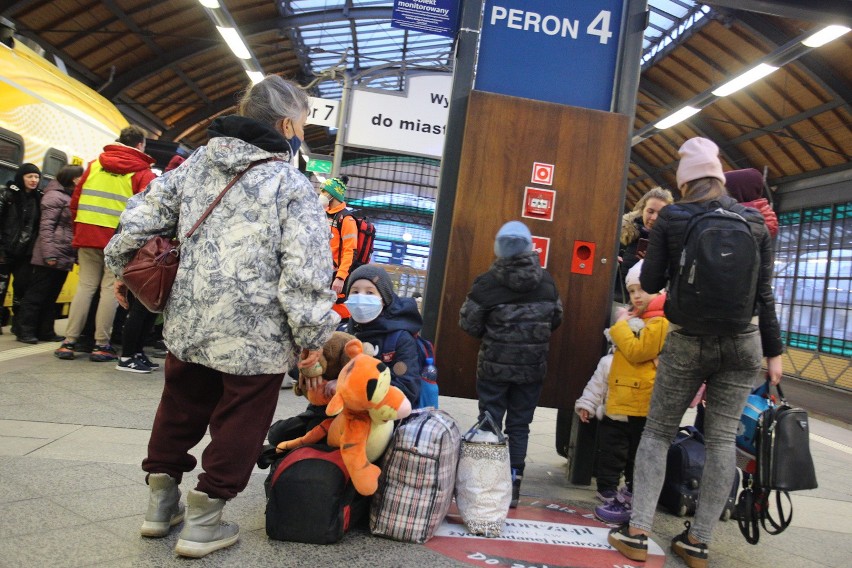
(715, 286)
(310, 497)
(366, 239)
(428, 387)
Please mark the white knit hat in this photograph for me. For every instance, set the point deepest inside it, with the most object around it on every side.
(633, 275)
(699, 158)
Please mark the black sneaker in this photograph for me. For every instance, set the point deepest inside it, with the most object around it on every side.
(694, 555)
(144, 358)
(66, 350)
(133, 365)
(103, 354)
(633, 547)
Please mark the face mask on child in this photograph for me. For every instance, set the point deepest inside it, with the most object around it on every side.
(324, 200)
(364, 307)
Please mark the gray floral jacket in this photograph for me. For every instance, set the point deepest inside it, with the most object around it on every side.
(252, 287)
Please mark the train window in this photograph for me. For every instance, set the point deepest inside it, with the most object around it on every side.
(11, 154)
(54, 160)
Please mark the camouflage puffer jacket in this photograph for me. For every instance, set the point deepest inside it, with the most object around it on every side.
(252, 286)
(513, 308)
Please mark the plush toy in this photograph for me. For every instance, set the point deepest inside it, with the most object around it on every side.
(364, 408)
(330, 363)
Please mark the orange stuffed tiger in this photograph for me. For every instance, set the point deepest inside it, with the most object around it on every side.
(364, 408)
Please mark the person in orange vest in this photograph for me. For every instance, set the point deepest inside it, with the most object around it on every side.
(344, 236)
(121, 171)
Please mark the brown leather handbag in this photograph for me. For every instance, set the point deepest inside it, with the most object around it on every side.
(151, 273)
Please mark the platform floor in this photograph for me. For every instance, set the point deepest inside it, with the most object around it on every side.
(73, 433)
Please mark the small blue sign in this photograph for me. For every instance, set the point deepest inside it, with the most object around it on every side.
(550, 50)
(438, 17)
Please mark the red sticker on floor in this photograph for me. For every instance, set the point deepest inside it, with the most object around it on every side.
(539, 534)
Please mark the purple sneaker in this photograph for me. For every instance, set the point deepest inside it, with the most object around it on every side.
(614, 513)
(606, 495)
(624, 496)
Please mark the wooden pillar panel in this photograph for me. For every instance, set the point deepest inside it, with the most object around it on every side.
(503, 137)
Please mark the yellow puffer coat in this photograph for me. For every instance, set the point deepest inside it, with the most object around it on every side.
(631, 378)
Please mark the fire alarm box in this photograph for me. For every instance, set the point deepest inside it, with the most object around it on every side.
(583, 257)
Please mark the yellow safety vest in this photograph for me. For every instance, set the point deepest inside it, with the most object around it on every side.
(103, 197)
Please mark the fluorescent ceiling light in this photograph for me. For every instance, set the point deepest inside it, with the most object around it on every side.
(235, 42)
(678, 116)
(825, 35)
(745, 79)
(255, 76)
(212, 4)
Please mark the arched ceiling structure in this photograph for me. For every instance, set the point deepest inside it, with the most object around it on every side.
(165, 66)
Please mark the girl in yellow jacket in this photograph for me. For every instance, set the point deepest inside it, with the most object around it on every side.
(638, 336)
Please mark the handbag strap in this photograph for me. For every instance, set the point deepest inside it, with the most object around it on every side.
(487, 418)
(783, 520)
(224, 191)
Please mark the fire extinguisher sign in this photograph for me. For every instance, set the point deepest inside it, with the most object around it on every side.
(538, 203)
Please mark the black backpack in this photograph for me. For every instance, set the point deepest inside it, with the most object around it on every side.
(714, 288)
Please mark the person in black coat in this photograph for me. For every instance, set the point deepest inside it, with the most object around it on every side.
(725, 355)
(19, 220)
(513, 308)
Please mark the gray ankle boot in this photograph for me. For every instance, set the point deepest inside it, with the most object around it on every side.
(164, 507)
(203, 532)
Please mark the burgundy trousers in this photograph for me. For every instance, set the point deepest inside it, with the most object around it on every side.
(237, 408)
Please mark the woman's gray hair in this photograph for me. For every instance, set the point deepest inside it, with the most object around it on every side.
(274, 99)
(703, 189)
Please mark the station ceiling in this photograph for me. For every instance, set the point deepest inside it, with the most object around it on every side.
(164, 65)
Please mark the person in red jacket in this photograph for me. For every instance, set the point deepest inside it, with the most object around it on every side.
(121, 171)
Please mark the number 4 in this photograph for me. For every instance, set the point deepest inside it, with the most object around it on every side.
(600, 26)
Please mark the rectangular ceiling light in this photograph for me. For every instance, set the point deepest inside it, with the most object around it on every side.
(255, 76)
(825, 35)
(677, 117)
(235, 42)
(744, 80)
(212, 4)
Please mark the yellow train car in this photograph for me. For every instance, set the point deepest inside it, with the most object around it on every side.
(49, 119)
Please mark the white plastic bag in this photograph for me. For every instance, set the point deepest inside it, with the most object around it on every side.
(484, 479)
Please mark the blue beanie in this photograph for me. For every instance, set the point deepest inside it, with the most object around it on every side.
(513, 238)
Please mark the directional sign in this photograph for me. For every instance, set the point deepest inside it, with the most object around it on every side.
(323, 112)
(319, 166)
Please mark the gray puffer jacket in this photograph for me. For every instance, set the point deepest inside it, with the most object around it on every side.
(252, 286)
(514, 308)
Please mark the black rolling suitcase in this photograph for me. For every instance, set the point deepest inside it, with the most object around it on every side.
(684, 464)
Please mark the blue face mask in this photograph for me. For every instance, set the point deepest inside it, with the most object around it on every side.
(364, 307)
(295, 143)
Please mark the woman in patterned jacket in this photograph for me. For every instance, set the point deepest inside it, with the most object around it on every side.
(250, 295)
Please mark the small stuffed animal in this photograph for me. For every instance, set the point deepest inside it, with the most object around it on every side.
(364, 406)
(330, 363)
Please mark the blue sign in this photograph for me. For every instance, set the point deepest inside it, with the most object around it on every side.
(550, 50)
(438, 17)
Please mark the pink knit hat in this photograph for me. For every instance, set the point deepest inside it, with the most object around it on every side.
(699, 158)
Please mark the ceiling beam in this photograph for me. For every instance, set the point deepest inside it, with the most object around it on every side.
(665, 100)
(825, 11)
(215, 107)
(649, 170)
(195, 48)
(812, 62)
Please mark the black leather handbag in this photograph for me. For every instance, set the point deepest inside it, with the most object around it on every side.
(784, 461)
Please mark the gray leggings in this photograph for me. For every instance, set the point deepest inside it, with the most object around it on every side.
(730, 365)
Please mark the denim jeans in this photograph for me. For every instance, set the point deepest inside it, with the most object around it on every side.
(730, 365)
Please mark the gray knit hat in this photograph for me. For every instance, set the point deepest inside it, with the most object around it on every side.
(376, 275)
(513, 238)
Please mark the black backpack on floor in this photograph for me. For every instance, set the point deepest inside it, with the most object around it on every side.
(310, 497)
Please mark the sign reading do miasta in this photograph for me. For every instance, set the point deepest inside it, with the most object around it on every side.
(550, 50)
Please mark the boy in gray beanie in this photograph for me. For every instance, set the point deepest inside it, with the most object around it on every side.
(513, 308)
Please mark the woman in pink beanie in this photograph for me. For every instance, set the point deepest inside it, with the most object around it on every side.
(726, 354)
